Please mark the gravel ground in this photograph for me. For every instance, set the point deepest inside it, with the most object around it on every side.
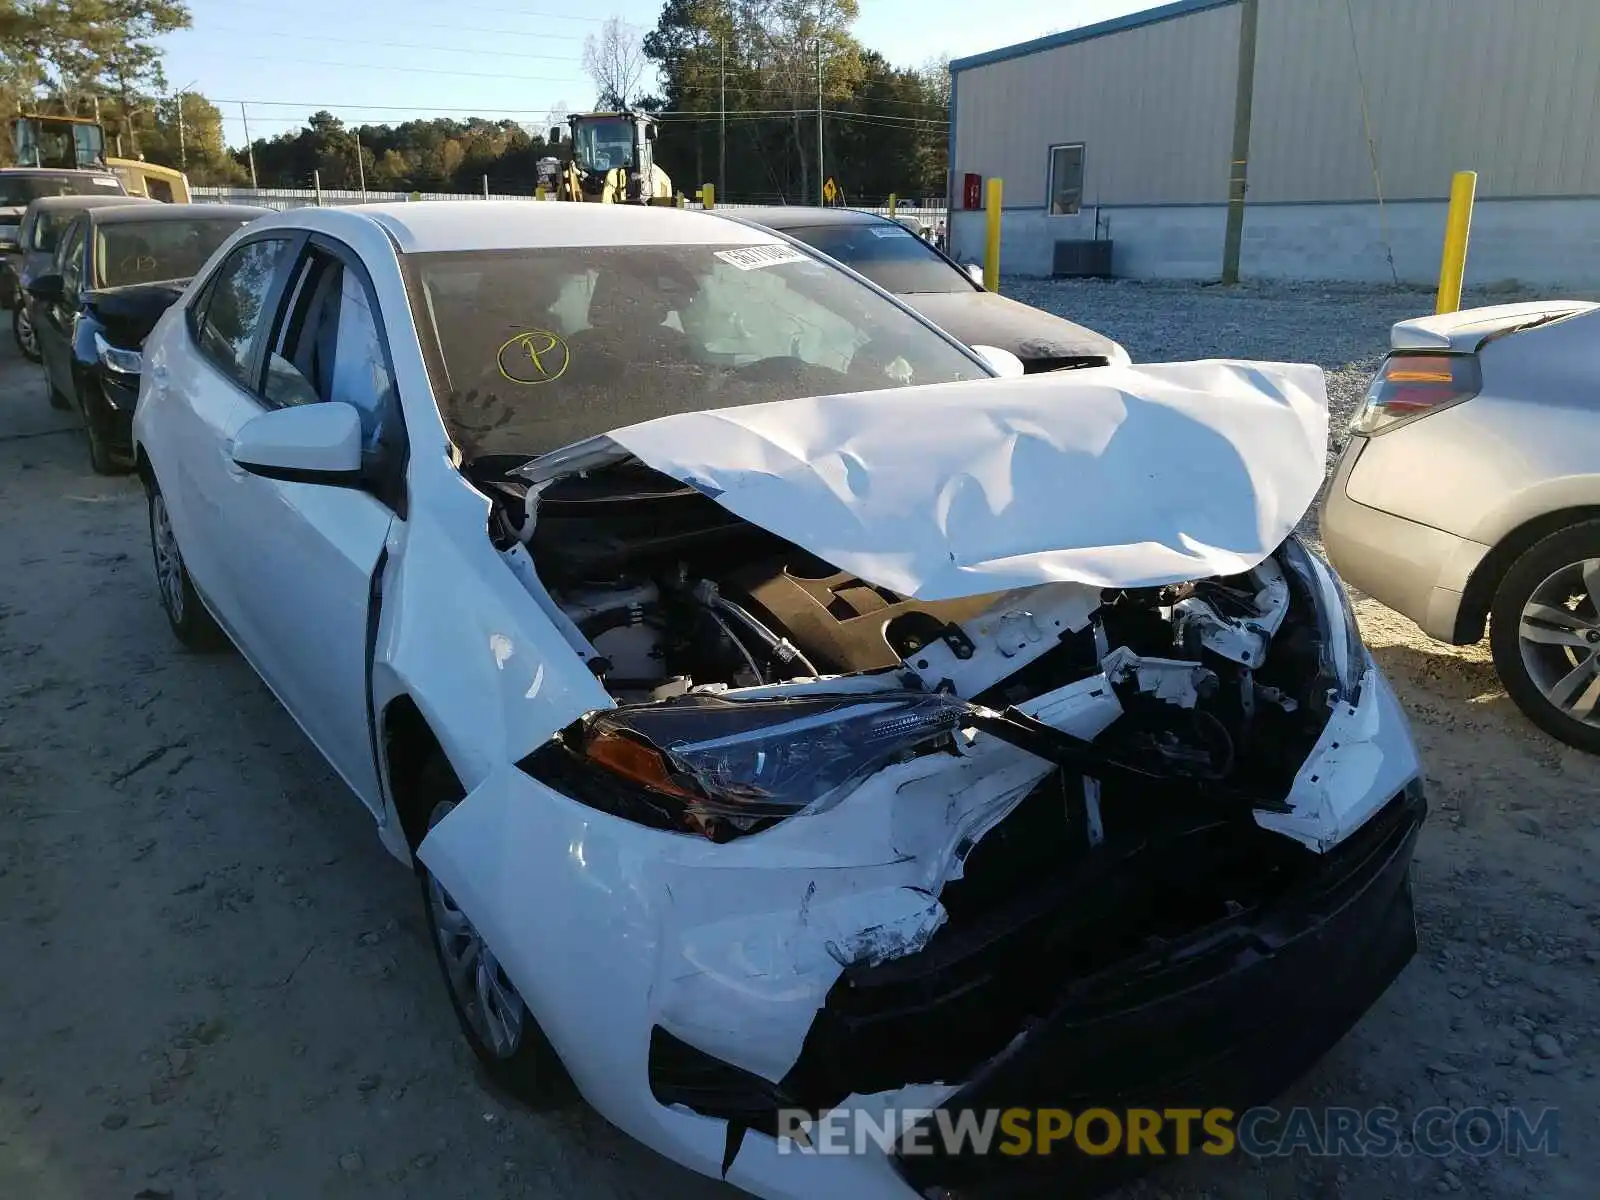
(218, 985)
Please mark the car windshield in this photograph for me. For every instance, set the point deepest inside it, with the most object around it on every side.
(530, 350)
(155, 251)
(887, 253)
(19, 190)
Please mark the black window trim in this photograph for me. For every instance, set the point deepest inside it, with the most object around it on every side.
(390, 488)
(1050, 176)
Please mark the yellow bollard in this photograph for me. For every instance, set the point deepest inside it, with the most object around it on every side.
(893, 204)
(538, 191)
(682, 203)
(1457, 225)
(991, 252)
(708, 195)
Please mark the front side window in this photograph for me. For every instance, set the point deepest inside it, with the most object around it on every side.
(530, 350)
(155, 251)
(330, 349)
(1066, 179)
(235, 305)
(887, 253)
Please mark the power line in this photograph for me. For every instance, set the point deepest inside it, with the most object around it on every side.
(326, 62)
(276, 9)
(308, 37)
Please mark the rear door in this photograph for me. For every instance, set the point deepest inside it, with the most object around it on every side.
(199, 396)
(304, 557)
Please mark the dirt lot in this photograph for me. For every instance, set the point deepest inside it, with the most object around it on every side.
(216, 983)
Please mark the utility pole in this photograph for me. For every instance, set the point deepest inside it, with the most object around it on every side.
(361, 168)
(1238, 169)
(822, 178)
(722, 146)
(183, 144)
(250, 147)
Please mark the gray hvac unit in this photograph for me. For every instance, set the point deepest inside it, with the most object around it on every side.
(1083, 259)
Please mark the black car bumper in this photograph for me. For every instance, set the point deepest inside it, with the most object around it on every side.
(1229, 1021)
(119, 394)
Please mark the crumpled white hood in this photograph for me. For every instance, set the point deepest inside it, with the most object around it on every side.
(1115, 477)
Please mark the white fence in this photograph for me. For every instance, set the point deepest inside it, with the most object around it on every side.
(287, 198)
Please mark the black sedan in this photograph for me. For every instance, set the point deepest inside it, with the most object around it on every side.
(115, 272)
(42, 226)
(897, 260)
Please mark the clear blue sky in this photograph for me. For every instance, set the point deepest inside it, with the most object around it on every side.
(392, 60)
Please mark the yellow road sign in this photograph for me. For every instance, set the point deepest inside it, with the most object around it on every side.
(830, 191)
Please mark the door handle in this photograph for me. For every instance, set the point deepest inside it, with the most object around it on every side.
(158, 375)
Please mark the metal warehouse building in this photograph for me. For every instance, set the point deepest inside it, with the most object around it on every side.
(1356, 113)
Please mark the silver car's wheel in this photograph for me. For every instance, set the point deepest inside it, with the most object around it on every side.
(485, 996)
(1545, 633)
(1559, 636)
(169, 563)
(186, 612)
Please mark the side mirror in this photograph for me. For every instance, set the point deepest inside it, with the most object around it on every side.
(47, 287)
(1002, 362)
(308, 443)
(975, 273)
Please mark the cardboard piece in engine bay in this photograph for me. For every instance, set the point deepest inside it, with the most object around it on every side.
(632, 944)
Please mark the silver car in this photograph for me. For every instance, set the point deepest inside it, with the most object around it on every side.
(1469, 494)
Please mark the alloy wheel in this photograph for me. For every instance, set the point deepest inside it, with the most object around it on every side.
(169, 563)
(1559, 637)
(489, 999)
(26, 334)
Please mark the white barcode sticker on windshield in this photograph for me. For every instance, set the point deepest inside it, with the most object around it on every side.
(891, 231)
(749, 258)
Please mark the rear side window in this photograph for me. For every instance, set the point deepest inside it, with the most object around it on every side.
(235, 306)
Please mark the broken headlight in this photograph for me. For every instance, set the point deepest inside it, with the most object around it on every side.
(1342, 655)
(706, 764)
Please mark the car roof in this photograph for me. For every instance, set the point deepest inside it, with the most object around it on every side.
(432, 225)
(51, 203)
(803, 217)
(120, 214)
(56, 172)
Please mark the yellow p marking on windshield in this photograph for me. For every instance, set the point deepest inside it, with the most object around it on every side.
(534, 356)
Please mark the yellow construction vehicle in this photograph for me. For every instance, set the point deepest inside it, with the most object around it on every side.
(613, 160)
(79, 143)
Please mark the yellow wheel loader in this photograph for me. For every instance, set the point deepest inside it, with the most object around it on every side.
(613, 160)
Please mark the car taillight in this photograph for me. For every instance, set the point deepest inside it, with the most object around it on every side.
(1409, 386)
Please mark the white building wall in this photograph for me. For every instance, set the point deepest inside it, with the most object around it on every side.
(1509, 88)
(1153, 107)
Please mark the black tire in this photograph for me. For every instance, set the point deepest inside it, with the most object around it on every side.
(191, 622)
(532, 1071)
(18, 317)
(1541, 563)
(101, 459)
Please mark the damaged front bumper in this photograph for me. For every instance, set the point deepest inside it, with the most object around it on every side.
(659, 963)
(1228, 1020)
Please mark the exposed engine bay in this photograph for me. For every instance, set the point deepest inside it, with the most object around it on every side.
(668, 597)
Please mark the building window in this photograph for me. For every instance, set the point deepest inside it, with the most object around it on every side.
(1066, 179)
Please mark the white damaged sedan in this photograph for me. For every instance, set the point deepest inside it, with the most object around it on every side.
(781, 713)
